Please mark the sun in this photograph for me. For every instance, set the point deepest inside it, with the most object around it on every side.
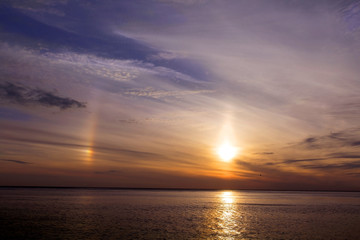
(227, 151)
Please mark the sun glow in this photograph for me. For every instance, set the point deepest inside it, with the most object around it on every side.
(227, 197)
(227, 151)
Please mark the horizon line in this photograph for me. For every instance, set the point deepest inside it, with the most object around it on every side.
(180, 189)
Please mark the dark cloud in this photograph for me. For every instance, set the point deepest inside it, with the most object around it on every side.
(270, 163)
(15, 161)
(345, 138)
(25, 95)
(310, 140)
(318, 163)
(311, 143)
(329, 156)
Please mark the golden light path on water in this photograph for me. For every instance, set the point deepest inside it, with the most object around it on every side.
(227, 215)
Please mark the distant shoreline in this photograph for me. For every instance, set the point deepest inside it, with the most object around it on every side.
(171, 189)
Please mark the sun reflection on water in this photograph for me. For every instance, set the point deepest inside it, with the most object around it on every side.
(227, 197)
(227, 215)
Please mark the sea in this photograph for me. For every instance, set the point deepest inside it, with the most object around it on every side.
(95, 213)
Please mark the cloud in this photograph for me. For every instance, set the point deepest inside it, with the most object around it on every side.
(20, 94)
(15, 161)
(351, 15)
(330, 156)
(344, 138)
(354, 174)
(347, 109)
(278, 178)
(265, 153)
(336, 166)
(290, 161)
(108, 172)
(39, 6)
(129, 121)
(97, 148)
(158, 94)
(161, 79)
(45, 35)
(54, 38)
(310, 140)
(345, 155)
(329, 162)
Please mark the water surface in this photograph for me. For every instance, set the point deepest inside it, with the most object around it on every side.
(54, 213)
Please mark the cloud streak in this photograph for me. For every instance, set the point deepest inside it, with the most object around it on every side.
(338, 166)
(158, 94)
(15, 161)
(96, 148)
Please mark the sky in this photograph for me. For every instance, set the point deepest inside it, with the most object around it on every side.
(142, 93)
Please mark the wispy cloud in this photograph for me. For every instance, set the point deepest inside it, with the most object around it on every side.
(337, 166)
(355, 155)
(157, 94)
